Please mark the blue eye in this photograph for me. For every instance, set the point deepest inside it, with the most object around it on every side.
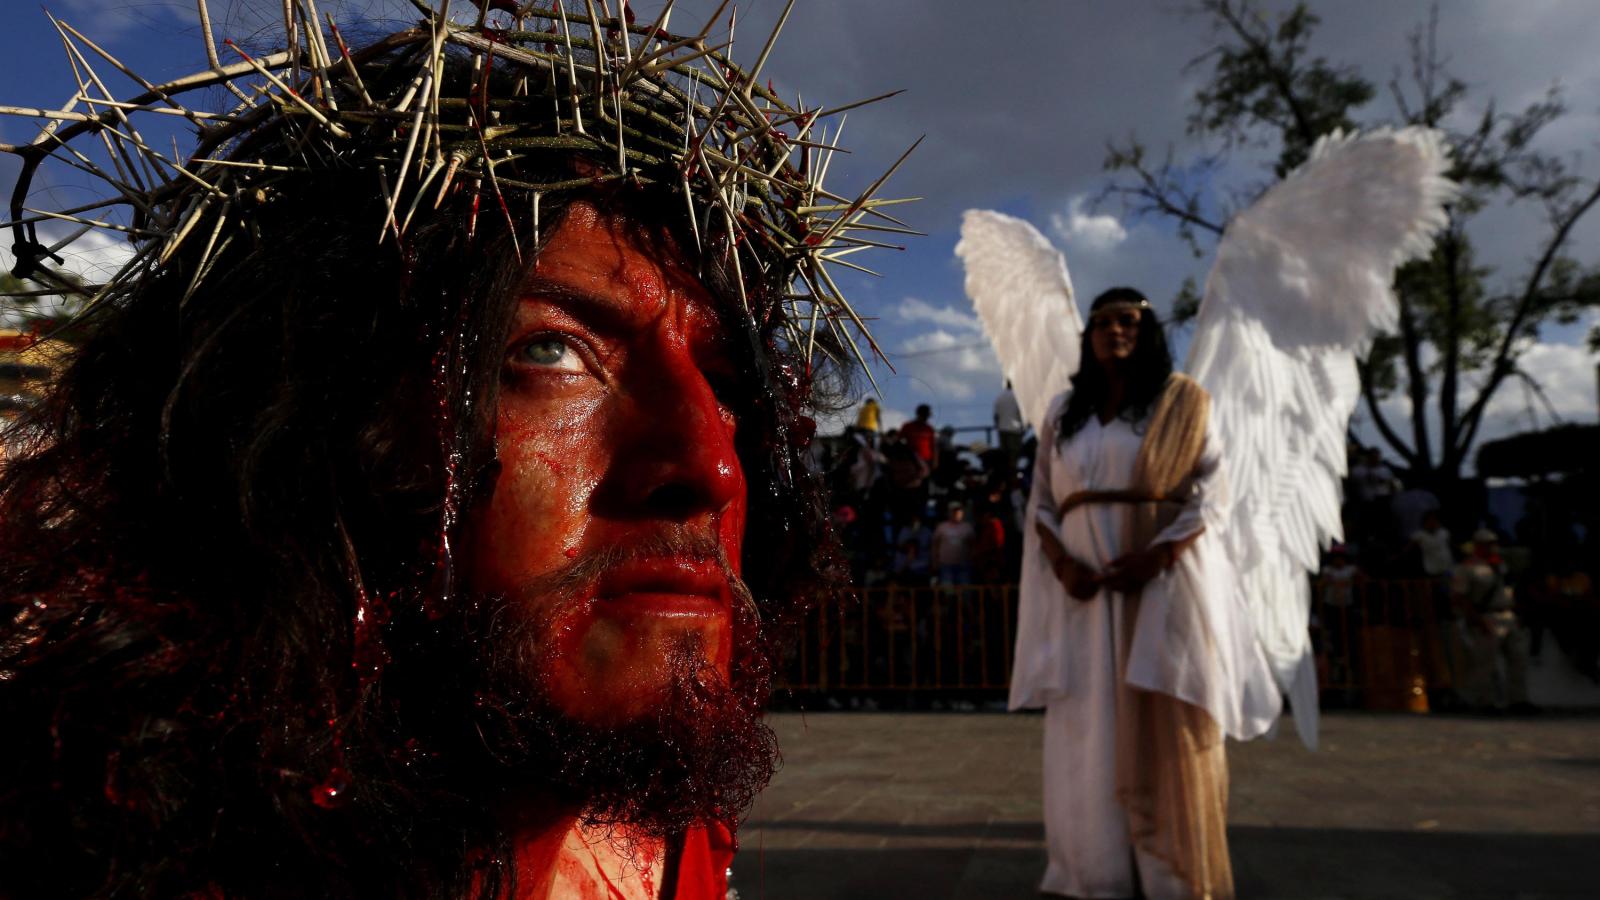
(550, 352)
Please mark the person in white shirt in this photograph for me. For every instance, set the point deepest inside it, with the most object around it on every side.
(1008, 425)
(1432, 541)
(953, 544)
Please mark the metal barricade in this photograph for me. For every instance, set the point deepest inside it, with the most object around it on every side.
(1386, 647)
(950, 638)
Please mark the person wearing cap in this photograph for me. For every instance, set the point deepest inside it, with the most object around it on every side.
(1492, 670)
(954, 542)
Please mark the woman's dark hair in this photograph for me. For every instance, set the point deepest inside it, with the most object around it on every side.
(223, 543)
(1146, 371)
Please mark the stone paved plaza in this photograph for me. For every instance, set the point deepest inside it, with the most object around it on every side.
(946, 805)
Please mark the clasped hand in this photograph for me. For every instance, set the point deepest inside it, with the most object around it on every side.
(1079, 578)
(1130, 572)
(1126, 574)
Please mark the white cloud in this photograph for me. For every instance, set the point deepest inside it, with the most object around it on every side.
(109, 20)
(96, 256)
(951, 367)
(835, 422)
(889, 417)
(1565, 373)
(93, 257)
(934, 341)
(912, 309)
(1093, 232)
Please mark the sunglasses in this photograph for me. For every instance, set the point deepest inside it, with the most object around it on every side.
(1128, 319)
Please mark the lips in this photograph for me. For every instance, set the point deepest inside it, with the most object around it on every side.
(690, 585)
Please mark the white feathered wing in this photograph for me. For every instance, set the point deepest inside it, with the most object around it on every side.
(1300, 287)
(1020, 288)
(1019, 285)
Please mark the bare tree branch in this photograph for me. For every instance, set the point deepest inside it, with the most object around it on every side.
(1504, 360)
(1158, 192)
(1384, 428)
(1416, 382)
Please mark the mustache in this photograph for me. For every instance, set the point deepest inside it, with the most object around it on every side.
(676, 542)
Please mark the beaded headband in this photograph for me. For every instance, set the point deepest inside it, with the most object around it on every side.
(1116, 306)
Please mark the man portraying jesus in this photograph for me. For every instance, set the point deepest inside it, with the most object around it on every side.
(443, 566)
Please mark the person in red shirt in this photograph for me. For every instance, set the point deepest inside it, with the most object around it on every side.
(920, 436)
(990, 557)
(449, 565)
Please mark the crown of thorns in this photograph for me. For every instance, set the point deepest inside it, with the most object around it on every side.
(636, 102)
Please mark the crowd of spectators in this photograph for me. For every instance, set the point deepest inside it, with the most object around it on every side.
(923, 504)
(926, 505)
(1493, 600)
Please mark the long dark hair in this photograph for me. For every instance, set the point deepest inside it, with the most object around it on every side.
(1147, 369)
(222, 544)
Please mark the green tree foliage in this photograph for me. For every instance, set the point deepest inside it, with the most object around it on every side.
(1459, 318)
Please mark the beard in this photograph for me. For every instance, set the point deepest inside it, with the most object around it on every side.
(696, 751)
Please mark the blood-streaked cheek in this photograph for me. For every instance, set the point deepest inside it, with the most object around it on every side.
(536, 512)
(534, 527)
(731, 523)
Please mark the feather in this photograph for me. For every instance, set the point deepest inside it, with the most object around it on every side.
(1300, 287)
(1019, 285)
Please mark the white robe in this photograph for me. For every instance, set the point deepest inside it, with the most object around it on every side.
(1065, 659)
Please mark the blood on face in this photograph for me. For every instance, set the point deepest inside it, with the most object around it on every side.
(619, 508)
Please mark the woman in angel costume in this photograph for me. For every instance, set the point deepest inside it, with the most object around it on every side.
(1175, 518)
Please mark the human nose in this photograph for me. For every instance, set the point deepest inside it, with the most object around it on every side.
(680, 460)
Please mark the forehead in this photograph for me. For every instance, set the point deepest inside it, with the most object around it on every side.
(1115, 309)
(619, 270)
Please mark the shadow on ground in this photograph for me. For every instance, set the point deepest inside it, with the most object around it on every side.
(1268, 863)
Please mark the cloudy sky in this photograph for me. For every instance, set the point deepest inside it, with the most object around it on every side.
(1016, 100)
